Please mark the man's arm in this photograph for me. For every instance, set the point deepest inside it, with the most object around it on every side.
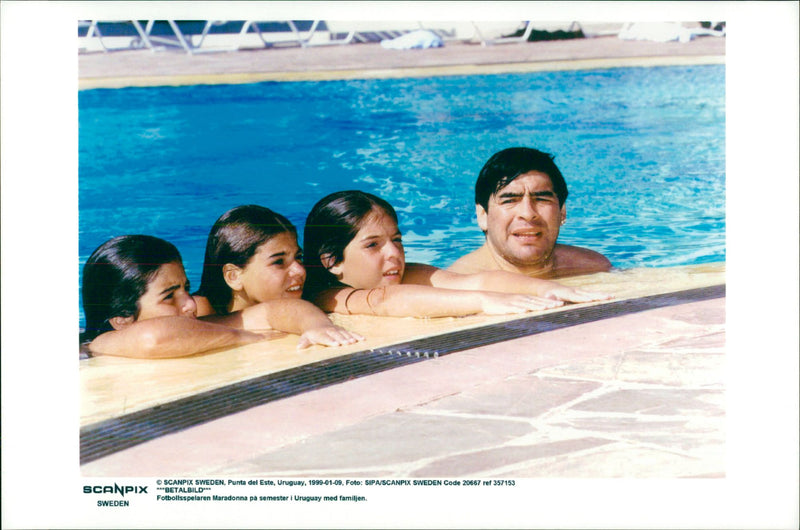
(499, 281)
(573, 261)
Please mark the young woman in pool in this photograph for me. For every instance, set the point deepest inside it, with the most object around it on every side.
(252, 258)
(137, 304)
(356, 265)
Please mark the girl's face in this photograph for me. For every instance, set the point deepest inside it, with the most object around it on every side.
(274, 271)
(375, 257)
(167, 294)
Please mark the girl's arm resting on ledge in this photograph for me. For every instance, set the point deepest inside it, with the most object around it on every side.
(499, 281)
(291, 316)
(426, 301)
(164, 337)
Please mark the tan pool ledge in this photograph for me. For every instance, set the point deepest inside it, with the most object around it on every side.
(636, 395)
(369, 60)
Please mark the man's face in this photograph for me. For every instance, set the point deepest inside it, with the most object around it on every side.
(523, 220)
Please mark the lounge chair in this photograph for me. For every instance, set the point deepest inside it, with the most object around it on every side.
(525, 31)
(119, 31)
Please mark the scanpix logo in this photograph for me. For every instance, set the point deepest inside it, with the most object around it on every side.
(116, 488)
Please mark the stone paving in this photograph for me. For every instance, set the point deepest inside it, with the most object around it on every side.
(641, 395)
(652, 409)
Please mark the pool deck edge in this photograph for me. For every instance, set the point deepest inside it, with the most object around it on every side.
(141, 68)
(548, 405)
(115, 434)
(89, 83)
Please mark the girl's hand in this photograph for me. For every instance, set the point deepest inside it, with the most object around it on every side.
(263, 334)
(568, 294)
(328, 336)
(503, 304)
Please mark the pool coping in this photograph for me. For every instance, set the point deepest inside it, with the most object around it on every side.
(396, 73)
(110, 436)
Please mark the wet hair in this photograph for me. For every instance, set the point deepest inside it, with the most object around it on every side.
(235, 238)
(331, 225)
(116, 276)
(508, 164)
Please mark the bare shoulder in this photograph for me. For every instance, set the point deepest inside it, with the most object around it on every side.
(203, 306)
(471, 263)
(579, 260)
(103, 343)
(419, 274)
(334, 299)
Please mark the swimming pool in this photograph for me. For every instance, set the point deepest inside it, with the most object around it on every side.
(642, 149)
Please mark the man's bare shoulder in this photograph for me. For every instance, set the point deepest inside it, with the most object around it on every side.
(474, 262)
(572, 260)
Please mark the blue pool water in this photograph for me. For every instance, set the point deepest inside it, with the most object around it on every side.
(642, 150)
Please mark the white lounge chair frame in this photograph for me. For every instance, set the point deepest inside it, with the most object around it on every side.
(147, 40)
(192, 44)
(298, 37)
(179, 37)
(512, 40)
(94, 31)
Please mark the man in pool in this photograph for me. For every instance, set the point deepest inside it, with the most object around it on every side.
(519, 202)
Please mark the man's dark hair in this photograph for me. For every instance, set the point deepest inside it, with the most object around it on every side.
(508, 164)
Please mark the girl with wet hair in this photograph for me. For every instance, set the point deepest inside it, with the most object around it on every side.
(356, 265)
(137, 303)
(252, 259)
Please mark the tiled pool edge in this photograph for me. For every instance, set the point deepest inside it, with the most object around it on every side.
(110, 436)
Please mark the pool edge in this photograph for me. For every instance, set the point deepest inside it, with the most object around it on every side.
(89, 83)
(107, 437)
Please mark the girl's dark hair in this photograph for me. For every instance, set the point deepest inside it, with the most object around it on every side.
(506, 165)
(116, 276)
(235, 238)
(331, 225)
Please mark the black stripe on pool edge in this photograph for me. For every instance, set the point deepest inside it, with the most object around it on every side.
(109, 436)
